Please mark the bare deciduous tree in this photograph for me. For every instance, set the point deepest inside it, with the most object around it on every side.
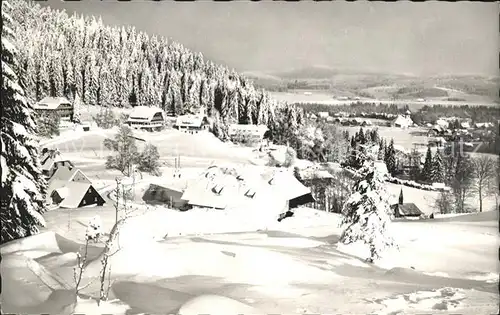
(483, 170)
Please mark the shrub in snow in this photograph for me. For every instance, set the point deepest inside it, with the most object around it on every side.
(149, 160)
(22, 186)
(366, 213)
(106, 119)
(126, 151)
(94, 228)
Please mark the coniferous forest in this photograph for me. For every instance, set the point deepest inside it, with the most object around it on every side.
(62, 55)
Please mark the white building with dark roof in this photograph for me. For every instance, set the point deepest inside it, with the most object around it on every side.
(60, 105)
(148, 118)
(69, 187)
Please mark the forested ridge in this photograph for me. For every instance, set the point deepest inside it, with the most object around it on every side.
(62, 55)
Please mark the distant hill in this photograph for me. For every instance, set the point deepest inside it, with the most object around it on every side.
(376, 85)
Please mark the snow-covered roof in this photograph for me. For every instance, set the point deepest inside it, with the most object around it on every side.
(49, 158)
(259, 130)
(224, 187)
(409, 209)
(51, 103)
(76, 192)
(66, 174)
(442, 123)
(189, 121)
(323, 114)
(63, 192)
(314, 173)
(144, 113)
(403, 121)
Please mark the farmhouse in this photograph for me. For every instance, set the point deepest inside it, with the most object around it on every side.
(167, 193)
(247, 133)
(71, 188)
(272, 191)
(51, 160)
(192, 123)
(148, 118)
(323, 115)
(402, 122)
(442, 123)
(59, 105)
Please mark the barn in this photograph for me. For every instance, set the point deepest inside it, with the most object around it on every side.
(167, 193)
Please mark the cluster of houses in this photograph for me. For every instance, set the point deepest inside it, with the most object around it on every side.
(67, 185)
(339, 119)
(400, 121)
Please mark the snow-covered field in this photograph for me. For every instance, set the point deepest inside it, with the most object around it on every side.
(230, 262)
(323, 97)
(295, 266)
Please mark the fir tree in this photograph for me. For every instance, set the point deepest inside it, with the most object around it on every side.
(23, 186)
(437, 172)
(381, 150)
(401, 198)
(77, 104)
(427, 169)
(149, 160)
(390, 158)
(366, 213)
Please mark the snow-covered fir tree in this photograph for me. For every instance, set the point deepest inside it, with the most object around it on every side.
(427, 169)
(23, 186)
(366, 214)
(118, 66)
(77, 107)
(390, 157)
(437, 171)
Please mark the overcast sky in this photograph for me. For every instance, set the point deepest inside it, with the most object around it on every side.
(402, 37)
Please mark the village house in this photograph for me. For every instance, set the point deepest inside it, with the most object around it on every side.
(323, 115)
(69, 187)
(169, 193)
(59, 105)
(247, 133)
(51, 160)
(271, 190)
(147, 118)
(402, 122)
